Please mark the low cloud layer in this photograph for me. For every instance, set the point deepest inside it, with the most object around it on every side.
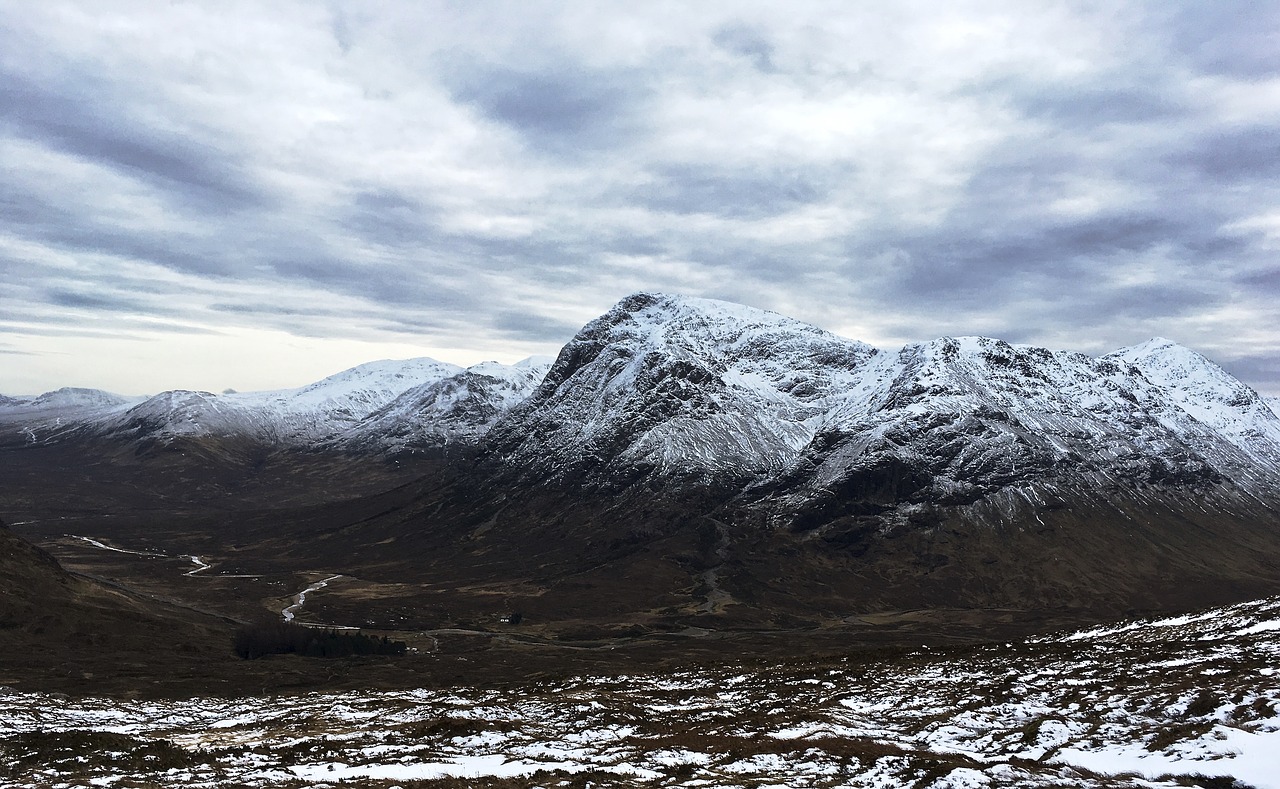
(199, 180)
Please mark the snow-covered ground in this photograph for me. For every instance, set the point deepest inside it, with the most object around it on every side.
(1168, 702)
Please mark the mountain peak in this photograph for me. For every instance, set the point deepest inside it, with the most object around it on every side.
(686, 385)
(1154, 347)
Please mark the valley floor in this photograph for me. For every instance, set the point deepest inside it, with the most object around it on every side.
(1184, 701)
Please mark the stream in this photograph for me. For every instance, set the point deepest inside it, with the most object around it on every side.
(301, 598)
(200, 565)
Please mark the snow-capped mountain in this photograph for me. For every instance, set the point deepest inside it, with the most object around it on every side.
(458, 409)
(70, 397)
(687, 388)
(701, 393)
(301, 417)
(696, 394)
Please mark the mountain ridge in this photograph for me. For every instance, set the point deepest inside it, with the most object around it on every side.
(683, 393)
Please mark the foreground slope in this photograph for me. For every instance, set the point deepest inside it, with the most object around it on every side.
(1195, 705)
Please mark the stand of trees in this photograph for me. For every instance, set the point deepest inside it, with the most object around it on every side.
(281, 638)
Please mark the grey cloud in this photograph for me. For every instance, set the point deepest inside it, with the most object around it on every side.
(406, 284)
(737, 194)
(568, 110)
(52, 323)
(748, 43)
(960, 260)
(1240, 154)
(1226, 37)
(99, 300)
(1093, 105)
(391, 219)
(1267, 279)
(1164, 301)
(1261, 370)
(533, 326)
(82, 116)
(340, 25)
(262, 308)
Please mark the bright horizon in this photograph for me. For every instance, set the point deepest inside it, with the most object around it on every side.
(300, 361)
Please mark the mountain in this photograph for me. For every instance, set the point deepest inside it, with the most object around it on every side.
(773, 472)
(288, 417)
(456, 410)
(687, 390)
(976, 421)
(688, 466)
(696, 393)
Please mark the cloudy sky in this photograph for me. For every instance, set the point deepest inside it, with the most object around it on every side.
(215, 194)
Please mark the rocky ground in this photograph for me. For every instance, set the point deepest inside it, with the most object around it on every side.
(1183, 701)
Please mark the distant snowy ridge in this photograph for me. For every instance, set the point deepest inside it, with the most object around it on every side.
(458, 409)
(31, 420)
(384, 406)
(287, 417)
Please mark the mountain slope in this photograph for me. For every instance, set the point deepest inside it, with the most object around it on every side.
(959, 421)
(50, 617)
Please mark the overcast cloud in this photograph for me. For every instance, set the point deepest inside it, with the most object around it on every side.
(210, 194)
